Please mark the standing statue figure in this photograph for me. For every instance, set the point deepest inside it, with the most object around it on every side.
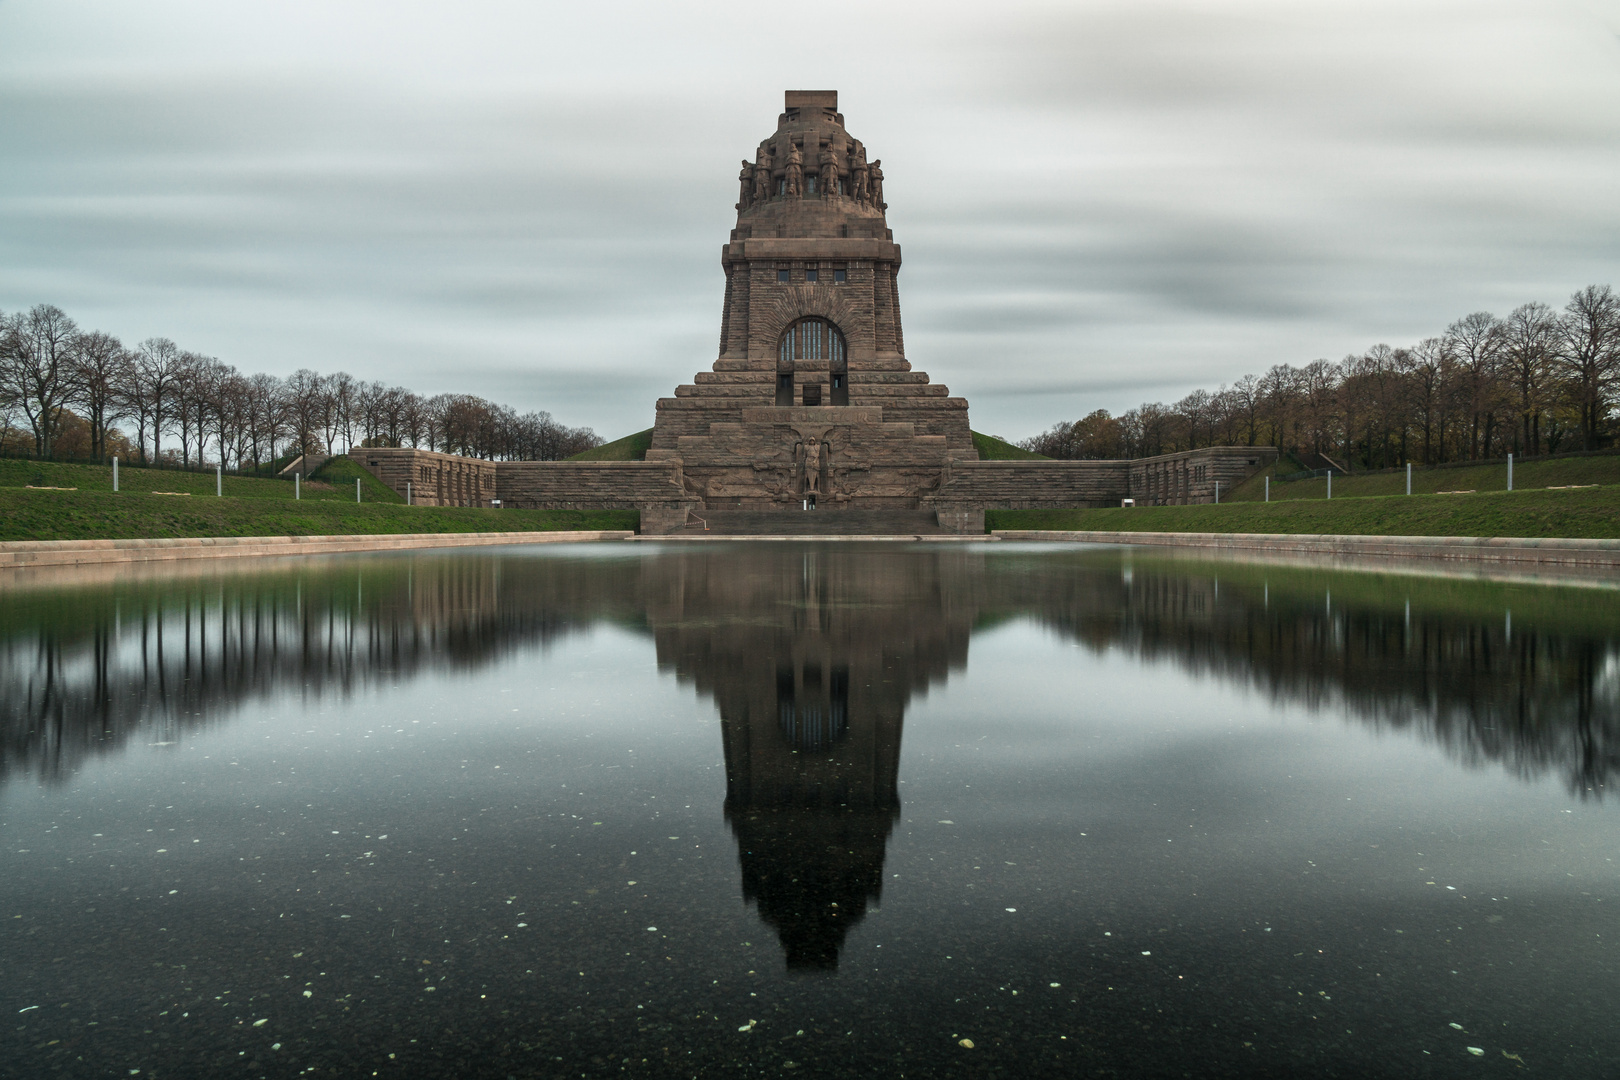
(875, 183)
(795, 171)
(745, 186)
(828, 161)
(762, 173)
(858, 173)
(812, 467)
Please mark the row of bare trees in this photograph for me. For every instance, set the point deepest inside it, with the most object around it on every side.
(178, 407)
(1538, 381)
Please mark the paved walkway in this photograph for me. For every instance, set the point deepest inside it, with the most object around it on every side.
(1493, 549)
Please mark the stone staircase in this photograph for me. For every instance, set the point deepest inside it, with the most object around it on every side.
(812, 523)
(304, 465)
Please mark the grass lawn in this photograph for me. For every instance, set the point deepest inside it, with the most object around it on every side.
(251, 507)
(334, 482)
(1583, 513)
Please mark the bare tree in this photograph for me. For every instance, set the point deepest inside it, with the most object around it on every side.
(1475, 343)
(152, 387)
(1530, 339)
(38, 369)
(266, 416)
(304, 406)
(101, 360)
(1590, 355)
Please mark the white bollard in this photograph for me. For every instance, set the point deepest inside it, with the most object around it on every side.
(1268, 489)
(1330, 483)
(1409, 478)
(219, 480)
(1217, 493)
(357, 489)
(1510, 472)
(407, 493)
(298, 485)
(115, 474)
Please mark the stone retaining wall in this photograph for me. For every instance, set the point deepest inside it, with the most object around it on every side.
(26, 553)
(1552, 551)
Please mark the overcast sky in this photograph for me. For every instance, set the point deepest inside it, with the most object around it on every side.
(1099, 203)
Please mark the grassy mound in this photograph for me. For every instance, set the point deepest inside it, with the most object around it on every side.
(1587, 513)
(340, 473)
(630, 448)
(993, 449)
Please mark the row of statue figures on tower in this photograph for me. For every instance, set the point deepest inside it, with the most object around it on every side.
(840, 171)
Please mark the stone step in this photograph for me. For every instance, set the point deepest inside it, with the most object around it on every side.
(813, 523)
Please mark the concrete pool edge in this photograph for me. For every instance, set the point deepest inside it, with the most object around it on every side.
(31, 553)
(1548, 550)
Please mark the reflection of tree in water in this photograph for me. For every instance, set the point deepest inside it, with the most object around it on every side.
(85, 672)
(1529, 697)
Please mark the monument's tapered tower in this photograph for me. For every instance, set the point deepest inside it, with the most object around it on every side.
(812, 399)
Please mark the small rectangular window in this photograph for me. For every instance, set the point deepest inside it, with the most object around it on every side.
(812, 393)
(812, 275)
(838, 277)
(782, 276)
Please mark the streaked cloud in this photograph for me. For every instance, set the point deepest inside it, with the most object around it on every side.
(1099, 203)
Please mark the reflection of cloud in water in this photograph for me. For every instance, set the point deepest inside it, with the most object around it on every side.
(812, 655)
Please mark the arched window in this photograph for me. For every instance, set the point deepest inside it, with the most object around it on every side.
(812, 339)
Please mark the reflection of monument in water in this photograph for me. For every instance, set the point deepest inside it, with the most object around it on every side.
(811, 664)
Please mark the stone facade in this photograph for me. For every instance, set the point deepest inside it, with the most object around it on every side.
(429, 478)
(811, 402)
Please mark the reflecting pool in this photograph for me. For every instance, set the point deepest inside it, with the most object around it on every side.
(824, 809)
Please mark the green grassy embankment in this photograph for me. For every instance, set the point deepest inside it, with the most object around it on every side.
(993, 449)
(1586, 513)
(1552, 472)
(630, 448)
(251, 507)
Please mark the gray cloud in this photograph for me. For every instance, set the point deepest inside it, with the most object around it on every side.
(1099, 203)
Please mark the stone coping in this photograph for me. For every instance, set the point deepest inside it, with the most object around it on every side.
(927, 538)
(1524, 549)
(27, 553)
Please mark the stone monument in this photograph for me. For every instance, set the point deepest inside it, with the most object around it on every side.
(811, 403)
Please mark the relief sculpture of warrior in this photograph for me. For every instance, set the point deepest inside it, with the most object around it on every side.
(857, 173)
(795, 170)
(745, 189)
(874, 182)
(829, 170)
(762, 173)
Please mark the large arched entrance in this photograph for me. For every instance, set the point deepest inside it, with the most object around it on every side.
(813, 339)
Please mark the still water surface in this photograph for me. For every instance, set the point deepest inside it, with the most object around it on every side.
(821, 810)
